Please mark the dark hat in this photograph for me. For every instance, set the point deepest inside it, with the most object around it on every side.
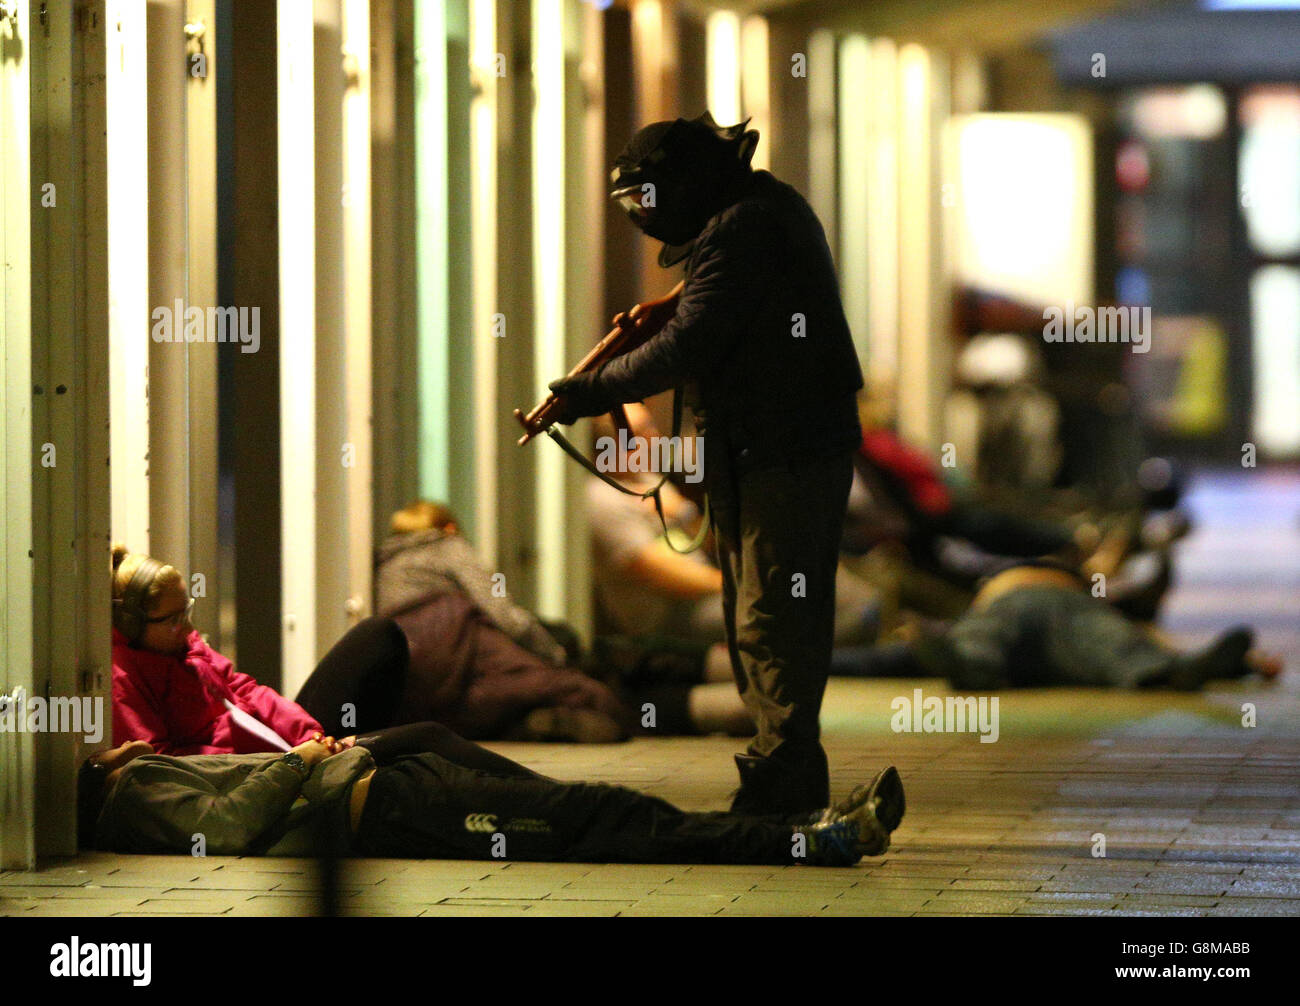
(681, 144)
(698, 151)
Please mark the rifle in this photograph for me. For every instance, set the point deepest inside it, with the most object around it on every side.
(630, 330)
(633, 329)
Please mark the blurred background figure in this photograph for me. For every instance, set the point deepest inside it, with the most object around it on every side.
(642, 585)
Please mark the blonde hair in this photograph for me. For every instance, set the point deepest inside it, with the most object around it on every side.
(125, 563)
(422, 515)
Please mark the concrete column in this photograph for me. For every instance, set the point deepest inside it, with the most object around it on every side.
(255, 377)
(355, 203)
(393, 303)
(823, 182)
(788, 136)
(69, 381)
(487, 325)
(170, 496)
(300, 439)
(17, 656)
(924, 302)
(200, 167)
(853, 126)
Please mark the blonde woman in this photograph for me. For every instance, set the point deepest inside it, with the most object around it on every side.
(174, 692)
(442, 661)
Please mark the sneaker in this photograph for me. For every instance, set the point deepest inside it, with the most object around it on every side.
(886, 789)
(837, 843)
(845, 839)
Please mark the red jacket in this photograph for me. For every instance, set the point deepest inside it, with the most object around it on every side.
(177, 704)
(913, 469)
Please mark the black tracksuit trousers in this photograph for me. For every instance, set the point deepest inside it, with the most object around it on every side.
(424, 806)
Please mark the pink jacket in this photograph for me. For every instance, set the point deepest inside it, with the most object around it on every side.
(176, 704)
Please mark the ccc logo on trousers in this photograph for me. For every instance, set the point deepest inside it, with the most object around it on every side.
(481, 822)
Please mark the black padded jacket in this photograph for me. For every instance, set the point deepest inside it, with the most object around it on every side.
(759, 337)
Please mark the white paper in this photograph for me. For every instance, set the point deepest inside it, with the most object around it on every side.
(256, 727)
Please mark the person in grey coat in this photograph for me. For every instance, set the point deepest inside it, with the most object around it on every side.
(435, 795)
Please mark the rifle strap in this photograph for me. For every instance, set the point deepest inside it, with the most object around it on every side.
(654, 493)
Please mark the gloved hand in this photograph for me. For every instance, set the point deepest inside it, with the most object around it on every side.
(581, 395)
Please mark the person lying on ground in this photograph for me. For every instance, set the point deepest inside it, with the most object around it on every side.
(427, 558)
(643, 587)
(1036, 624)
(458, 802)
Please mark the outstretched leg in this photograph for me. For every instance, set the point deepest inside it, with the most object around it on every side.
(366, 671)
(424, 806)
(433, 738)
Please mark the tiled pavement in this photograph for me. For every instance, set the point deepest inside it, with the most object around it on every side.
(1199, 814)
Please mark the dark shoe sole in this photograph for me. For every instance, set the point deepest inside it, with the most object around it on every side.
(891, 802)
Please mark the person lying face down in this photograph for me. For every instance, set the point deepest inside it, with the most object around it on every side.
(1035, 624)
(320, 797)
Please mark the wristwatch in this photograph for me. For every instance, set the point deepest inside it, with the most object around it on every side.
(295, 761)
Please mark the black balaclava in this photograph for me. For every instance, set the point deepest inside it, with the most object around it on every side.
(671, 176)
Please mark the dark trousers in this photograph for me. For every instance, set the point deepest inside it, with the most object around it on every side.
(441, 661)
(426, 806)
(388, 745)
(358, 685)
(1053, 636)
(778, 532)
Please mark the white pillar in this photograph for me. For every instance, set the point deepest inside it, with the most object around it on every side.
(128, 272)
(296, 148)
(854, 171)
(924, 273)
(483, 230)
(822, 141)
(549, 275)
(756, 86)
(882, 212)
(17, 752)
(356, 204)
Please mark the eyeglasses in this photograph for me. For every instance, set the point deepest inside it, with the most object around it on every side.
(176, 618)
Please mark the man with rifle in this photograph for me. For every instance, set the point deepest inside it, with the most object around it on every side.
(758, 339)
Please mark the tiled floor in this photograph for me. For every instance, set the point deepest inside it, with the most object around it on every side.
(1198, 814)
